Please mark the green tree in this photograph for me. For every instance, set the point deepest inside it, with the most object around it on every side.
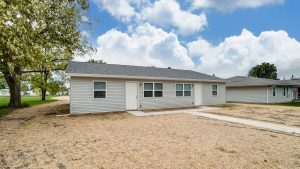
(264, 70)
(96, 61)
(31, 30)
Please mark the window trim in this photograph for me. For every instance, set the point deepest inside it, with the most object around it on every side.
(183, 84)
(214, 90)
(99, 89)
(153, 90)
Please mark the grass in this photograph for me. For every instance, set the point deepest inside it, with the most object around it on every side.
(297, 104)
(27, 101)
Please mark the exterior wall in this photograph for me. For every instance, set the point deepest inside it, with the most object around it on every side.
(247, 94)
(257, 94)
(169, 99)
(209, 99)
(279, 98)
(82, 96)
(82, 100)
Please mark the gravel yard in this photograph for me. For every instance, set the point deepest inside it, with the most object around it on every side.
(36, 138)
(287, 115)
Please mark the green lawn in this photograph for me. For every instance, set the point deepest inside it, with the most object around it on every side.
(291, 104)
(26, 101)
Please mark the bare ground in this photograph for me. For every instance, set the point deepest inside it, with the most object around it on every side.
(30, 138)
(287, 115)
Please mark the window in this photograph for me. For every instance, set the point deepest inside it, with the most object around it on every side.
(274, 91)
(99, 89)
(183, 89)
(214, 90)
(284, 92)
(153, 89)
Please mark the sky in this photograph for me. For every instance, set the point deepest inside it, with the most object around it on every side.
(221, 37)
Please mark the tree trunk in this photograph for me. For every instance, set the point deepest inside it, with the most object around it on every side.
(43, 91)
(14, 84)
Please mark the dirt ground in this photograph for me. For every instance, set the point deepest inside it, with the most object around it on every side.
(288, 115)
(37, 138)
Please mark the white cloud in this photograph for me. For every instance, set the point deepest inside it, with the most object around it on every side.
(120, 9)
(168, 12)
(146, 45)
(229, 5)
(237, 54)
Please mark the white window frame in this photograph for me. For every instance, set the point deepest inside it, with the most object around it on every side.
(153, 89)
(215, 90)
(183, 84)
(99, 89)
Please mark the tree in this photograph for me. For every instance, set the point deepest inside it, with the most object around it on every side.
(96, 61)
(31, 27)
(264, 70)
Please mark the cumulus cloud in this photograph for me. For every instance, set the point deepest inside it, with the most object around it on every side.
(163, 13)
(145, 45)
(237, 54)
(168, 12)
(229, 5)
(120, 9)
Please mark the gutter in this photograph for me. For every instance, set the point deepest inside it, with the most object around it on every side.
(141, 77)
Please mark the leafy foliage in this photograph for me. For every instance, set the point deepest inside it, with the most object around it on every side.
(39, 35)
(264, 70)
(96, 61)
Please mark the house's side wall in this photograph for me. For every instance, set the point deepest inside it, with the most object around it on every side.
(247, 94)
(279, 98)
(169, 99)
(209, 99)
(82, 96)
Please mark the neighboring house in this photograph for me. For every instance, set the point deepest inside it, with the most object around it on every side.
(259, 90)
(4, 92)
(112, 88)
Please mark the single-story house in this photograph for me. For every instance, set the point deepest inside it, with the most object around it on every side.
(111, 88)
(259, 90)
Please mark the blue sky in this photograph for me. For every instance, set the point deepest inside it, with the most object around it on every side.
(197, 34)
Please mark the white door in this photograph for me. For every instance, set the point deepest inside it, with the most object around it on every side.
(131, 95)
(198, 94)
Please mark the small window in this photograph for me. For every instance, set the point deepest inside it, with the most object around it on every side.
(214, 90)
(99, 89)
(183, 89)
(284, 92)
(153, 89)
(274, 91)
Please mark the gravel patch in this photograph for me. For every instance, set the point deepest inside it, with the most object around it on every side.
(124, 141)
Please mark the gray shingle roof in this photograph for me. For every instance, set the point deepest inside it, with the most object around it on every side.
(240, 81)
(136, 71)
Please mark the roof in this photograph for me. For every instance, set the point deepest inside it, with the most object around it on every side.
(86, 69)
(243, 81)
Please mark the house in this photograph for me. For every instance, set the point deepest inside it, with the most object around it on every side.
(259, 90)
(296, 88)
(112, 88)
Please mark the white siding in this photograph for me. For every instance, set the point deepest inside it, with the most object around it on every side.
(209, 99)
(169, 99)
(247, 94)
(279, 98)
(257, 94)
(82, 96)
(82, 100)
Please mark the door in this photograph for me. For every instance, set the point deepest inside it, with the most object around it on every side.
(131, 95)
(198, 94)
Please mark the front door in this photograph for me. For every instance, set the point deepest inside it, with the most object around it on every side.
(198, 94)
(131, 95)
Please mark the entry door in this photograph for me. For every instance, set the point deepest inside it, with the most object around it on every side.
(131, 95)
(198, 94)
